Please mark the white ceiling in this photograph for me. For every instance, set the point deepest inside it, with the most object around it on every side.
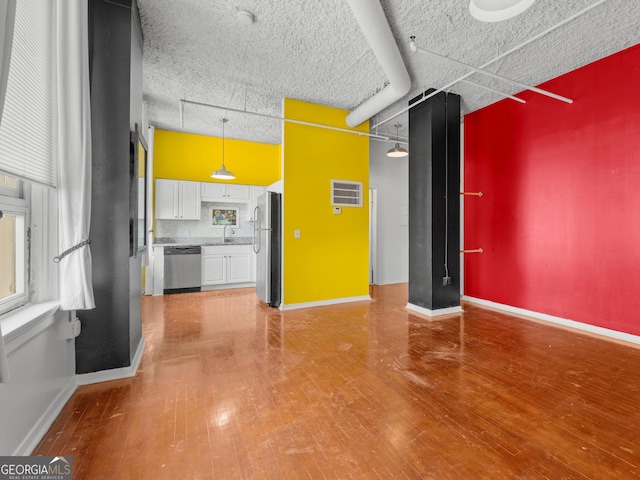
(313, 50)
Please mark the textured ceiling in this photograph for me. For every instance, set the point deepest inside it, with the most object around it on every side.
(313, 50)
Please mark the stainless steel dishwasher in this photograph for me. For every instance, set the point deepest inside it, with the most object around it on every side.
(182, 266)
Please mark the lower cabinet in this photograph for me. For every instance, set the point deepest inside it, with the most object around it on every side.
(226, 264)
(214, 269)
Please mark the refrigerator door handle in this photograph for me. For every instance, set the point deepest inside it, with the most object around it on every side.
(256, 230)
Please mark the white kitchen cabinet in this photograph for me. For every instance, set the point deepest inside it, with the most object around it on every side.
(226, 264)
(255, 192)
(238, 192)
(239, 268)
(212, 191)
(221, 192)
(214, 269)
(177, 200)
(166, 197)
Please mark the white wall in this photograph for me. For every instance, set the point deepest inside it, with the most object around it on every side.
(38, 341)
(41, 363)
(390, 176)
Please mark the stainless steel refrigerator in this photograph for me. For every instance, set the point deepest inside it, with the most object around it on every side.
(267, 244)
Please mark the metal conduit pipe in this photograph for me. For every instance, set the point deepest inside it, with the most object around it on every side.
(374, 26)
(374, 136)
(415, 48)
(495, 59)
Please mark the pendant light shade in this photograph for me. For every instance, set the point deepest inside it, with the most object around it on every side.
(223, 173)
(397, 151)
(497, 10)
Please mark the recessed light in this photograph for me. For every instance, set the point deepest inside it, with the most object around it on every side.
(245, 18)
(497, 10)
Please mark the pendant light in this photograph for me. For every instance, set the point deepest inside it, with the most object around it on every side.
(397, 151)
(223, 173)
(497, 10)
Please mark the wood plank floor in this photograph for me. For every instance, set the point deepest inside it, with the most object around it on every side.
(231, 389)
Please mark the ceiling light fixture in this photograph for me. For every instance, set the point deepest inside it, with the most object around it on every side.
(223, 173)
(397, 151)
(497, 10)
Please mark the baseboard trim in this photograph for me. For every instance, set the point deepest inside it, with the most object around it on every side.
(41, 427)
(227, 286)
(114, 373)
(390, 282)
(564, 322)
(323, 303)
(434, 313)
(137, 358)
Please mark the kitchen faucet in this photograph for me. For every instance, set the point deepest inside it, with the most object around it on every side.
(224, 233)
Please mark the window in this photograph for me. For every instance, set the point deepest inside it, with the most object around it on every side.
(28, 235)
(13, 238)
(9, 184)
(26, 132)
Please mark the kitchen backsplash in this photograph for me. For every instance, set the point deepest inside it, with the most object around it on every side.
(203, 227)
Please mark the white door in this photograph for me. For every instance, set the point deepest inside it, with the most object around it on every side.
(239, 268)
(190, 200)
(166, 199)
(214, 269)
(373, 235)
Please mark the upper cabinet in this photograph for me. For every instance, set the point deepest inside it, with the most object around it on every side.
(177, 200)
(220, 192)
(255, 193)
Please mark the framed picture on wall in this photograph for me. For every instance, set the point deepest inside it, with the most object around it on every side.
(221, 216)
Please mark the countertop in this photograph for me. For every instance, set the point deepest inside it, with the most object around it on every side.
(202, 241)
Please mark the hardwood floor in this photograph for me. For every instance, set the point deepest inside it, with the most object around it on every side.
(231, 389)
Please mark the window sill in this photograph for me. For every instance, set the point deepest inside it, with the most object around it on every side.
(24, 323)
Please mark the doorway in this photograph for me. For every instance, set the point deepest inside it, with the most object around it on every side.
(373, 235)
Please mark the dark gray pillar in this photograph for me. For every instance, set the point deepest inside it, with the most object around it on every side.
(434, 202)
(105, 339)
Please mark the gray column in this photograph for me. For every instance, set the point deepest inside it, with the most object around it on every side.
(104, 342)
(434, 202)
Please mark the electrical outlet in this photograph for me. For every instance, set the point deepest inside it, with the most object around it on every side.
(446, 281)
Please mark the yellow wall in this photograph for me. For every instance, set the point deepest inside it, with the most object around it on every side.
(330, 259)
(186, 156)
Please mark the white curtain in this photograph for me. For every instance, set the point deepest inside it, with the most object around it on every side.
(7, 17)
(74, 153)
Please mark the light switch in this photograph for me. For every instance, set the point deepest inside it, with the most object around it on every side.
(296, 233)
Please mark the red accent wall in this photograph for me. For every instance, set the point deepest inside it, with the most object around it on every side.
(559, 221)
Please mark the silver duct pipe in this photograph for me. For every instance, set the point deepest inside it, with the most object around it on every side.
(375, 28)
